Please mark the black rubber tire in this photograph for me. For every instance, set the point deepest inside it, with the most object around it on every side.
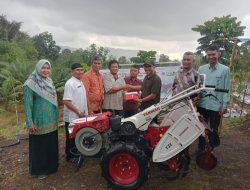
(204, 163)
(170, 175)
(185, 164)
(173, 175)
(131, 150)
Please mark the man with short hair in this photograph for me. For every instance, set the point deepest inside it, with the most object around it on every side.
(75, 104)
(151, 87)
(131, 106)
(93, 82)
(114, 85)
(186, 76)
(213, 107)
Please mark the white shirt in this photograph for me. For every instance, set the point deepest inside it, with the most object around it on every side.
(75, 92)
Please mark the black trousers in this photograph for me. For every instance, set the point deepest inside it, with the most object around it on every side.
(214, 118)
(70, 144)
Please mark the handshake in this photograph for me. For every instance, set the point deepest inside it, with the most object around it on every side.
(129, 87)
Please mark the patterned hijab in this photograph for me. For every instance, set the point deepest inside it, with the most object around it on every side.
(42, 86)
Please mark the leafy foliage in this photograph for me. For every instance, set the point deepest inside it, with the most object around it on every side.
(164, 58)
(46, 46)
(9, 30)
(15, 52)
(143, 56)
(123, 60)
(217, 32)
(10, 91)
(220, 31)
(92, 51)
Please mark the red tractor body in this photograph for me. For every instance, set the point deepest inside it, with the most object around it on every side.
(100, 122)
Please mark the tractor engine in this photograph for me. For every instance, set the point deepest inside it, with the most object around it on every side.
(121, 131)
(154, 134)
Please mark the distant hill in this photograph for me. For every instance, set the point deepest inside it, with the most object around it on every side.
(67, 47)
(116, 52)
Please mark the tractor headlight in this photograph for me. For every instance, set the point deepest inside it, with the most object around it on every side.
(70, 128)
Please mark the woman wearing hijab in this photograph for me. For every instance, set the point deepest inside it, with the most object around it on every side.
(40, 102)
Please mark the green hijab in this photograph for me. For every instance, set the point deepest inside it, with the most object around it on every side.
(42, 86)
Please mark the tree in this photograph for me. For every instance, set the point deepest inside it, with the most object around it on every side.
(143, 56)
(9, 30)
(243, 56)
(123, 60)
(11, 87)
(164, 58)
(17, 52)
(135, 60)
(66, 51)
(146, 55)
(217, 31)
(92, 51)
(220, 31)
(46, 46)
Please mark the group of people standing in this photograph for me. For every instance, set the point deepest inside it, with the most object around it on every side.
(92, 92)
(210, 107)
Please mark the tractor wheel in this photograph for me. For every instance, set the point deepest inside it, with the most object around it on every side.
(182, 162)
(125, 166)
(206, 161)
(88, 141)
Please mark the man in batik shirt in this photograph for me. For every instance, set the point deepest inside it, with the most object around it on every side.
(186, 76)
(93, 82)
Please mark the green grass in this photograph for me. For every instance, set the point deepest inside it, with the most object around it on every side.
(232, 122)
(9, 127)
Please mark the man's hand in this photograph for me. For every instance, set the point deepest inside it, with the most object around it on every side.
(222, 111)
(128, 87)
(196, 100)
(81, 114)
(138, 100)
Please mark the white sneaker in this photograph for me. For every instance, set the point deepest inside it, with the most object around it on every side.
(41, 177)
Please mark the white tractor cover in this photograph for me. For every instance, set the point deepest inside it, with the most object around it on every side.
(179, 136)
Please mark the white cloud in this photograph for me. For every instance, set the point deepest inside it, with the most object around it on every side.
(159, 25)
(246, 22)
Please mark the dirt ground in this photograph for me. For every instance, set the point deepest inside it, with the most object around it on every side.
(232, 172)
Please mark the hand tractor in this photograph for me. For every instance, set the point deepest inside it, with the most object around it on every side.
(161, 133)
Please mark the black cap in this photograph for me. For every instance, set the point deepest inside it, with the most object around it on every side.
(75, 65)
(149, 63)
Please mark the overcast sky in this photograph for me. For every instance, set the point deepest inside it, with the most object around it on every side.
(161, 25)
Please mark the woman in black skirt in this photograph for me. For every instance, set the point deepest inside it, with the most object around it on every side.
(40, 102)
